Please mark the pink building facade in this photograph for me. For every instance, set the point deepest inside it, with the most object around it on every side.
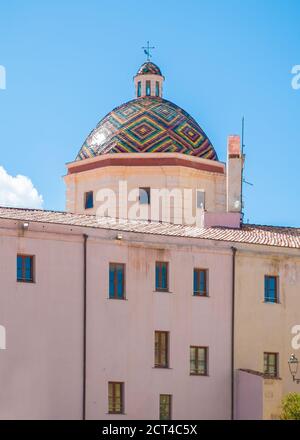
(55, 354)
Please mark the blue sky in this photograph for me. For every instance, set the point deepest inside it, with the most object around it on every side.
(68, 63)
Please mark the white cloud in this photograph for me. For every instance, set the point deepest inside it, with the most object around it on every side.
(18, 191)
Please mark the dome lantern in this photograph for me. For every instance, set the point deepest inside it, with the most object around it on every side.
(148, 81)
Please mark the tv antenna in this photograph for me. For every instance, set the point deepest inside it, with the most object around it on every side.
(244, 181)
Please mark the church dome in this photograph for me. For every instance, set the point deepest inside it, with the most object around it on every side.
(149, 68)
(147, 125)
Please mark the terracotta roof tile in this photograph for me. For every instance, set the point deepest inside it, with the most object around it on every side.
(255, 234)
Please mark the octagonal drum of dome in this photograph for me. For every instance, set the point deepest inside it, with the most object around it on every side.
(148, 125)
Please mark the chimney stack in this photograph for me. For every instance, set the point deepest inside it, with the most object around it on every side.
(234, 174)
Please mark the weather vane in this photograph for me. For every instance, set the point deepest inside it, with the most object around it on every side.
(147, 50)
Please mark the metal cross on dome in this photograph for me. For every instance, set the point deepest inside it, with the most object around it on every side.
(147, 50)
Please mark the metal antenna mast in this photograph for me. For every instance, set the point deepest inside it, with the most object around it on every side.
(243, 164)
(243, 158)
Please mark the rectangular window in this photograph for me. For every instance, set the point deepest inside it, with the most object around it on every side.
(165, 407)
(25, 268)
(200, 199)
(271, 289)
(157, 88)
(161, 276)
(199, 361)
(139, 89)
(200, 282)
(116, 397)
(148, 88)
(161, 349)
(271, 364)
(144, 196)
(117, 280)
(88, 200)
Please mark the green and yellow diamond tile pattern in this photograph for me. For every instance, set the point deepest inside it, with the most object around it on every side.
(148, 125)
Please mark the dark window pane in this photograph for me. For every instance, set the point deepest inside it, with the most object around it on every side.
(139, 89)
(148, 88)
(163, 349)
(110, 397)
(89, 200)
(157, 276)
(271, 289)
(158, 354)
(165, 407)
(192, 359)
(272, 283)
(161, 276)
(19, 267)
(116, 280)
(157, 88)
(28, 268)
(195, 281)
(164, 276)
(120, 281)
(198, 360)
(144, 196)
(25, 268)
(115, 397)
(111, 282)
(161, 357)
(201, 199)
(200, 282)
(271, 364)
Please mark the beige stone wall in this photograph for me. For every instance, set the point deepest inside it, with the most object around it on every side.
(272, 396)
(266, 327)
(158, 177)
(258, 397)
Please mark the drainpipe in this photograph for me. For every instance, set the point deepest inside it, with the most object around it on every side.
(232, 331)
(85, 237)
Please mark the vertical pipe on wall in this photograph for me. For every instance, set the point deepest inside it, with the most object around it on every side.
(232, 331)
(85, 237)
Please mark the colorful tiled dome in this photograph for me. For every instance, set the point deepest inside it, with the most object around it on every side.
(148, 125)
(149, 68)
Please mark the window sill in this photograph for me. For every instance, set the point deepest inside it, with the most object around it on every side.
(162, 368)
(199, 375)
(162, 291)
(271, 302)
(201, 296)
(117, 299)
(269, 376)
(116, 414)
(26, 281)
